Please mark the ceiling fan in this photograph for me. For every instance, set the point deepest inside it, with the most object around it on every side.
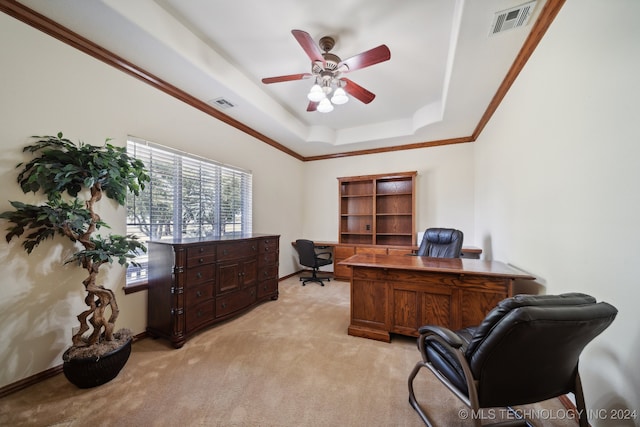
(328, 69)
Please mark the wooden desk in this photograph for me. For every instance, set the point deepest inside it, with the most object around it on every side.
(398, 294)
(342, 251)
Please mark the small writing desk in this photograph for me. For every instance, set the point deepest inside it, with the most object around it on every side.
(398, 294)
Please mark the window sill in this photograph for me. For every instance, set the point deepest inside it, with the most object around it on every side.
(136, 287)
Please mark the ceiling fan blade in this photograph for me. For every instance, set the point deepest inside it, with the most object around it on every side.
(287, 78)
(313, 106)
(368, 58)
(358, 91)
(309, 46)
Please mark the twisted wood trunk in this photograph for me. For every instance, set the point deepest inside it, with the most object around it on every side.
(98, 298)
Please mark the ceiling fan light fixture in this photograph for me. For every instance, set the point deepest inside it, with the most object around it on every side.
(316, 94)
(339, 97)
(327, 69)
(325, 106)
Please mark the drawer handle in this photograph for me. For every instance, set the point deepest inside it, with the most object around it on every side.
(198, 294)
(199, 313)
(199, 275)
(224, 305)
(225, 252)
(201, 250)
(201, 260)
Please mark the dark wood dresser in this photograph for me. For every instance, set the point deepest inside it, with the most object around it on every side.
(195, 283)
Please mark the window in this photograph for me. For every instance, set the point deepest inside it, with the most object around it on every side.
(187, 196)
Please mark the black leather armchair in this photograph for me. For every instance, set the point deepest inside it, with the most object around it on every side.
(441, 243)
(308, 257)
(526, 350)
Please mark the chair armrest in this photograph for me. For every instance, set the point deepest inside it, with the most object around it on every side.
(322, 255)
(445, 334)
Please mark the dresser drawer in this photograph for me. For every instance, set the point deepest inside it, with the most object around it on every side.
(269, 245)
(196, 294)
(199, 314)
(268, 258)
(235, 301)
(235, 250)
(267, 287)
(268, 272)
(200, 274)
(200, 255)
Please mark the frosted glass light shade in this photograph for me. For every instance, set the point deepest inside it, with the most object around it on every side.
(316, 94)
(325, 106)
(339, 97)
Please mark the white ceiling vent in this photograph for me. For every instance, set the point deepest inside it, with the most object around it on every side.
(512, 18)
(222, 103)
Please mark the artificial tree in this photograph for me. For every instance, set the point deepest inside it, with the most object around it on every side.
(74, 178)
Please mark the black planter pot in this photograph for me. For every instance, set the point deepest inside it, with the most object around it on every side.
(93, 371)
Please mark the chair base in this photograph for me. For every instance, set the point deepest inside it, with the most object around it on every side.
(473, 409)
(314, 278)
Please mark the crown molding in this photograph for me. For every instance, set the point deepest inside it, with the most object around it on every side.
(52, 28)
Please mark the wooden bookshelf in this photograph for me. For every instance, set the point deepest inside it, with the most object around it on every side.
(378, 209)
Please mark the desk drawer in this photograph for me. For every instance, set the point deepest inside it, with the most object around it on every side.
(371, 250)
(341, 272)
(342, 252)
(480, 283)
(369, 273)
(397, 251)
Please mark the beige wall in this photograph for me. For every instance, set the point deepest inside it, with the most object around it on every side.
(444, 187)
(46, 87)
(551, 185)
(557, 181)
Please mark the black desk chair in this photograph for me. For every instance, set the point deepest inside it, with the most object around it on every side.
(526, 350)
(441, 243)
(310, 258)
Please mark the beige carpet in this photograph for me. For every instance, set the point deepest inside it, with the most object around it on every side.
(288, 362)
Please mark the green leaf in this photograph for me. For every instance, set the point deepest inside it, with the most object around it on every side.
(61, 168)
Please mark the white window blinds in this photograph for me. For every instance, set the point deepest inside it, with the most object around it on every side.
(187, 196)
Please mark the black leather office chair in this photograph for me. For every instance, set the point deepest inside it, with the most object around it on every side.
(441, 243)
(526, 350)
(310, 258)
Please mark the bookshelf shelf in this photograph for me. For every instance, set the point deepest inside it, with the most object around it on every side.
(378, 209)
